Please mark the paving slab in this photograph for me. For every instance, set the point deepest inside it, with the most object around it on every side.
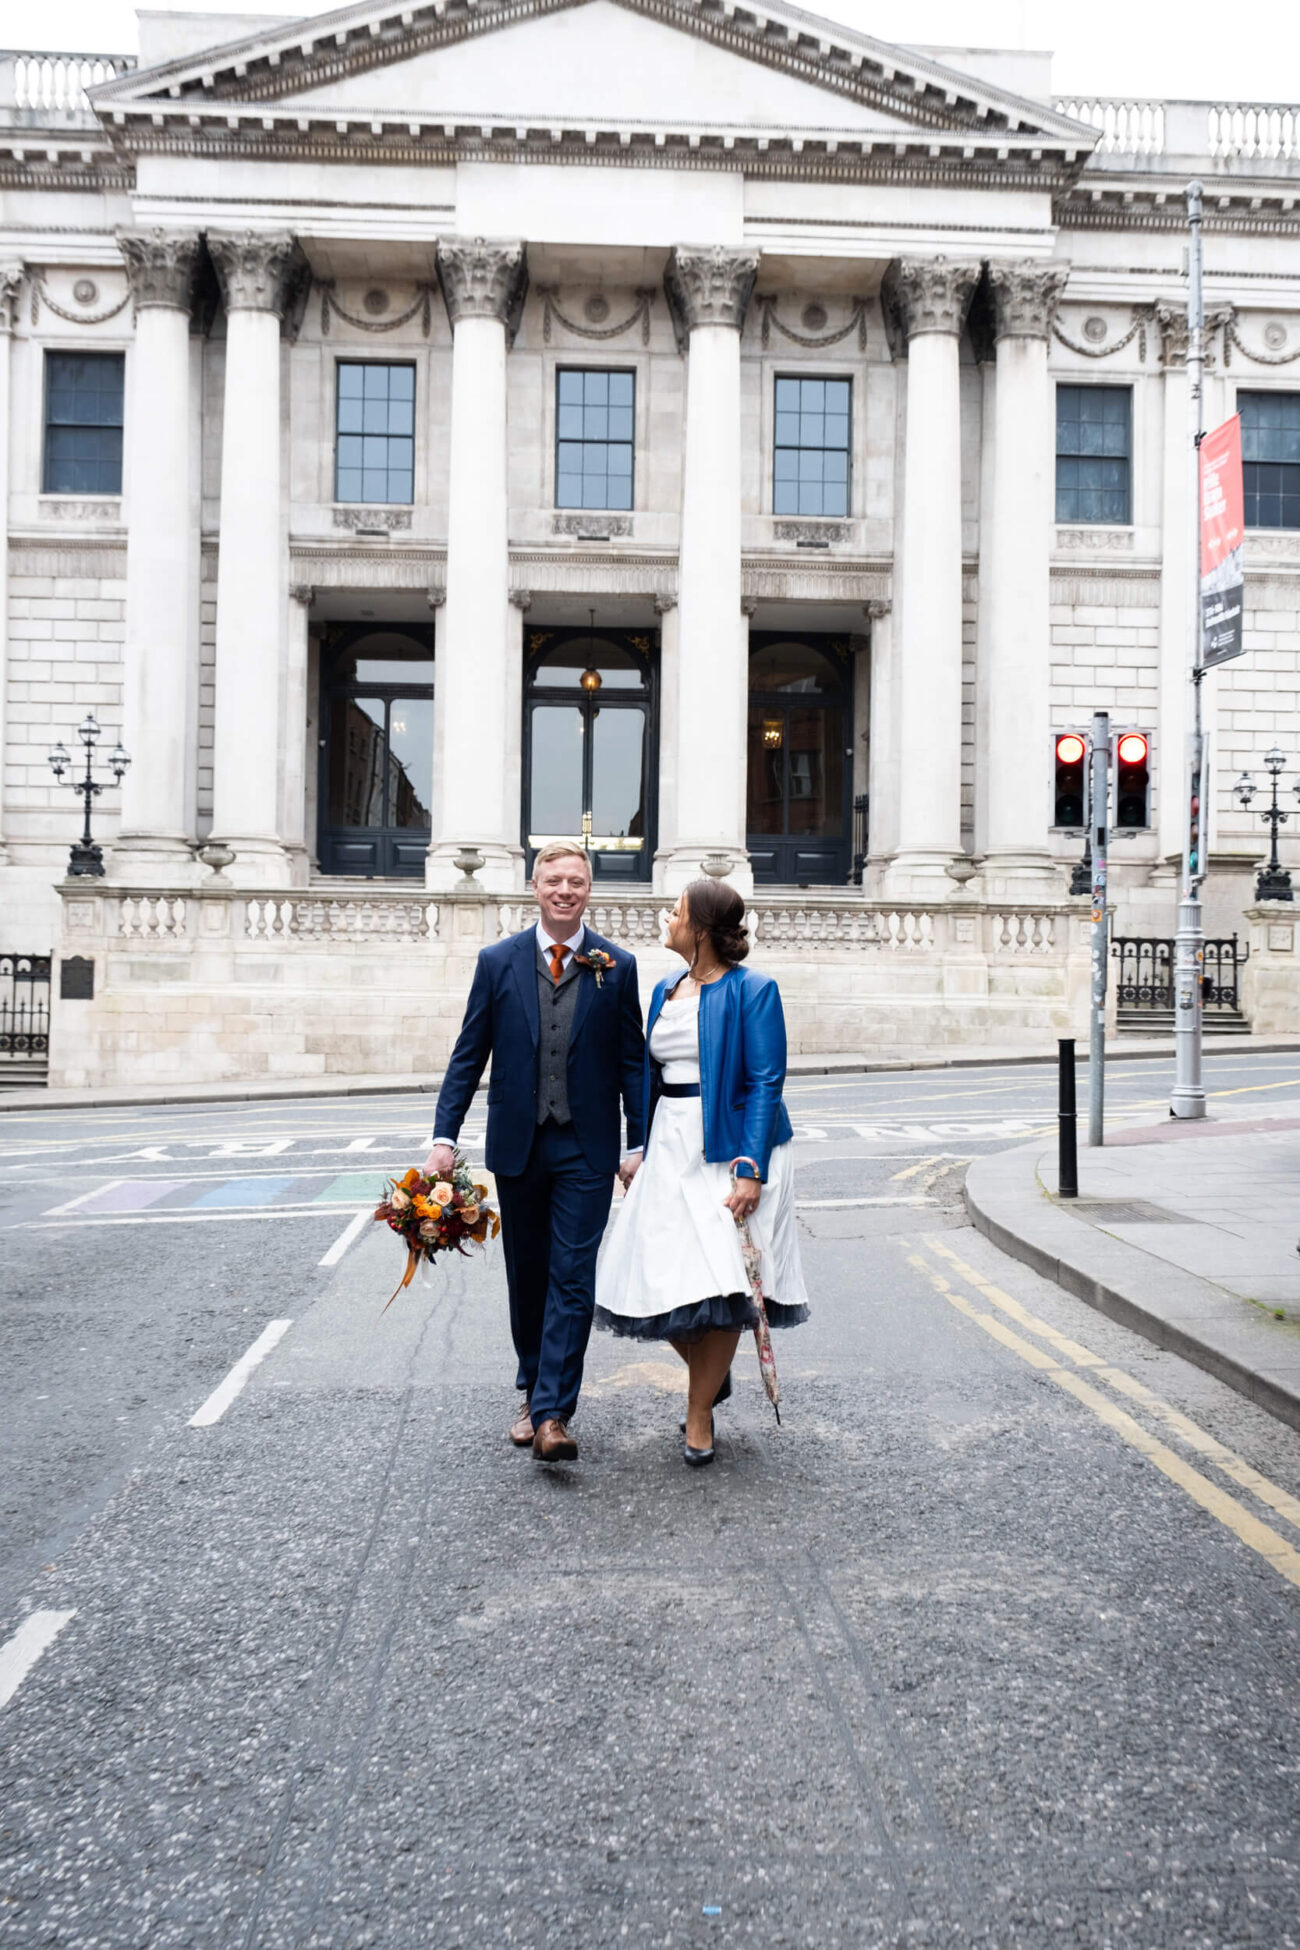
(1227, 1300)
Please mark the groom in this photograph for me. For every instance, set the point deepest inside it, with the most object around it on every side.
(565, 1042)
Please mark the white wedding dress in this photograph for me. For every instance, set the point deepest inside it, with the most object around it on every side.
(671, 1265)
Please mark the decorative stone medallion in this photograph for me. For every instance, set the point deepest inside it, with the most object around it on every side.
(1094, 330)
(85, 291)
(596, 309)
(1275, 335)
(375, 302)
(814, 318)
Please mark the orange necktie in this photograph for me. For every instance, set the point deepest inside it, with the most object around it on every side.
(558, 952)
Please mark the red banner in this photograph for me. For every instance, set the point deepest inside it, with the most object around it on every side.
(1222, 526)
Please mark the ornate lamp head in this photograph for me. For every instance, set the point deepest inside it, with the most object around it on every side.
(1275, 759)
(60, 760)
(119, 760)
(1244, 790)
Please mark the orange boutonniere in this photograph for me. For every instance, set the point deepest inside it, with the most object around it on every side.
(597, 961)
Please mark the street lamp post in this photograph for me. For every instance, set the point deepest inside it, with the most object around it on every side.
(86, 857)
(1273, 883)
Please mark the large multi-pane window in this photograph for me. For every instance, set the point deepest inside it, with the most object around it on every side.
(811, 468)
(83, 422)
(1094, 453)
(1270, 458)
(593, 439)
(375, 452)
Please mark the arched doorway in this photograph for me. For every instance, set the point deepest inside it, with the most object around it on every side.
(376, 772)
(590, 763)
(800, 775)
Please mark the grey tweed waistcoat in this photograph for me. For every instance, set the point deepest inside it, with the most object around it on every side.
(556, 1002)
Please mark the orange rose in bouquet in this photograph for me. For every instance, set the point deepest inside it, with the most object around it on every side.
(437, 1215)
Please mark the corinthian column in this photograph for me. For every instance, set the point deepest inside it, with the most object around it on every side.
(255, 269)
(1015, 638)
(929, 298)
(708, 293)
(11, 278)
(484, 284)
(160, 655)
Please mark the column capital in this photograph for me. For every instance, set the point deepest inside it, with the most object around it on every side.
(256, 268)
(11, 283)
(663, 603)
(521, 599)
(160, 266)
(929, 294)
(1026, 293)
(876, 608)
(708, 286)
(436, 595)
(302, 592)
(483, 277)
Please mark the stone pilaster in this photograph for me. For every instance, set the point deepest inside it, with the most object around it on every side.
(1015, 553)
(160, 653)
(11, 280)
(708, 291)
(927, 298)
(475, 796)
(257, 271)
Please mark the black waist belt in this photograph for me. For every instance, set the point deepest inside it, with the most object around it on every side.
(679, 1089)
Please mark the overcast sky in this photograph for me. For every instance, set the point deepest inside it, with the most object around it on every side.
(1107, 47)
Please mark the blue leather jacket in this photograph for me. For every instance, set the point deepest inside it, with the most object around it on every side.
(742, 1067)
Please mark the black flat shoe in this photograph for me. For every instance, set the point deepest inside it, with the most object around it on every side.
(724, 1390)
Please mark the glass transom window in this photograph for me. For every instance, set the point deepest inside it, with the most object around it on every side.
(811, 466)
(1094, 446)
(83, 422)
(375, 453)
(1270, 458)
(594, 439)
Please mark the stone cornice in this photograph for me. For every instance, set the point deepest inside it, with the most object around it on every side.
(1237, 208)
(708, 286)
(161, 266)
(929, 294)
(483, 278)
(277, 61)
(1025, 295)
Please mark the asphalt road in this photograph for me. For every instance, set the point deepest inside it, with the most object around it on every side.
(994, 1641)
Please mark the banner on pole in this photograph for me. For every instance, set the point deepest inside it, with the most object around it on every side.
(1223, 518)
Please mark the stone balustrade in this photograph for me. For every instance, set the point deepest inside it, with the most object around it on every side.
(1224, 132)
(39, 87)
(217, 983)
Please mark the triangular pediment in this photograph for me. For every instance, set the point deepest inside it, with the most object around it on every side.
(640, 63)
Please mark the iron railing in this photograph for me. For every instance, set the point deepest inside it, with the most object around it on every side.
(24, 1008)
(1146, 972)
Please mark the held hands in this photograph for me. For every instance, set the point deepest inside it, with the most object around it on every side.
(745, 1194)
(441, 1160)
(629, 1168)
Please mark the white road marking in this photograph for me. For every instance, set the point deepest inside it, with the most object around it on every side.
(344, 1240)
(188, 1218)
(826, 1204)
(73, 1203)
(220, 1399)
(19, 1654)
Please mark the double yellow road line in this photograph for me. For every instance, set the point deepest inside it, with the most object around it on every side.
(1062, 1365)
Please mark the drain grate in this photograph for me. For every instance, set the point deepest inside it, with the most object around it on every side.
(1123, 1212)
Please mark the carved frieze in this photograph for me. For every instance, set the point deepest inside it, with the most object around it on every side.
(257, 269)
(1025, 294)
(709, 286)
(812, 534)
(160, 266)
(359, 517)
(595, 522)
(484, 278)
(1095, 541)
(929, 294)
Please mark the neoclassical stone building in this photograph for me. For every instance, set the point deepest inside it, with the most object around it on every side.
(702, 430)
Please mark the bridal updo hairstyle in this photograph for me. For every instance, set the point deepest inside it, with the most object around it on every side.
(717, 911)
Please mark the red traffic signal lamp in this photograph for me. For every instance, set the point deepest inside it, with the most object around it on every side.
(1132, 781)
(1069, 774)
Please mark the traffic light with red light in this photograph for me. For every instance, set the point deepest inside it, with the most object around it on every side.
(1132, 781)
(1069, 779)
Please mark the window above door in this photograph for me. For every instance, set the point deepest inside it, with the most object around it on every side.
(594, 439)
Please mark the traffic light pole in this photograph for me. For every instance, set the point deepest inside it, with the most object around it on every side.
(1188, 1096)
(1098, 803)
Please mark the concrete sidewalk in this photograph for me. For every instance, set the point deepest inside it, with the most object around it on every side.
(1185, 1232)
(846, 1063)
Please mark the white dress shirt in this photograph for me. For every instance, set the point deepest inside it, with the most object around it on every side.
(547, 941)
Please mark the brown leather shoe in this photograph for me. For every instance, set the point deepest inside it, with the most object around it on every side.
(553, 1443)
(521, 1429)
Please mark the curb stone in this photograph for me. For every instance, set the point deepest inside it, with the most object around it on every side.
(1174, 1309)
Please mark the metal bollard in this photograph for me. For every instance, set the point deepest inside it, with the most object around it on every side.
(1067, 1147)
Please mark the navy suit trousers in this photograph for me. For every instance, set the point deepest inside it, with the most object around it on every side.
(553, 1217)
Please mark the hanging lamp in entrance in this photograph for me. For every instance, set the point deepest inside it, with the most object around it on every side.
(591, 679)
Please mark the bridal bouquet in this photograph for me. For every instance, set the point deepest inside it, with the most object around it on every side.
(437, 1215)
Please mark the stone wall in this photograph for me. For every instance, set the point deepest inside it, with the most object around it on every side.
(219, 985)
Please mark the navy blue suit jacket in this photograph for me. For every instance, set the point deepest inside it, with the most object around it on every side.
(606, 1056)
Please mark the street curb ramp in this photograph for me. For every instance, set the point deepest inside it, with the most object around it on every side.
(1213, 1329)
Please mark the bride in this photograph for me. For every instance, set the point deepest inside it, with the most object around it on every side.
(718, 1152)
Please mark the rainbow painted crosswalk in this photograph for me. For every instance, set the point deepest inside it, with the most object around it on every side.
(282, 1194)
